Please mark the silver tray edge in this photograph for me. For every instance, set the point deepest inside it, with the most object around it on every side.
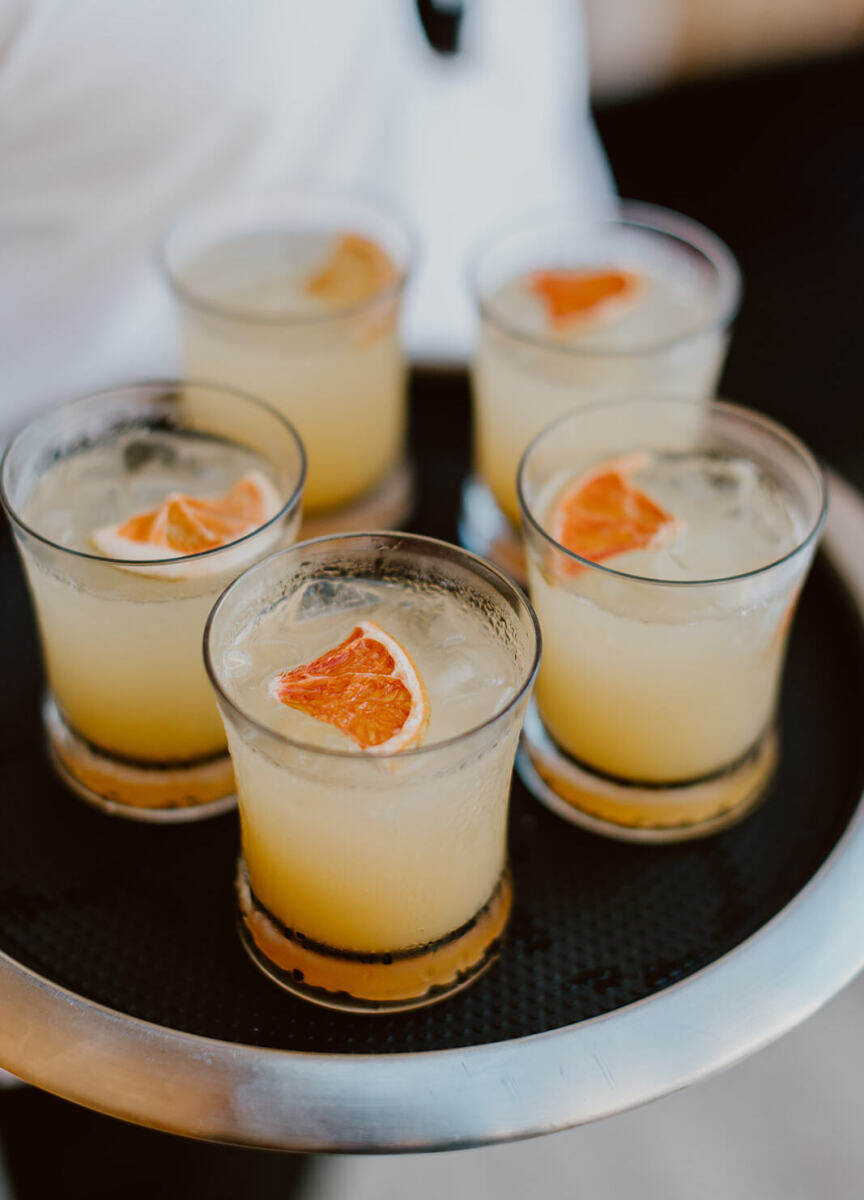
(203, 1088)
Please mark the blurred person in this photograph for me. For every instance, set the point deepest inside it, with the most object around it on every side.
(118, 117)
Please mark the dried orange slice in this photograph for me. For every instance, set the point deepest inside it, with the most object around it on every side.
(183, 525)
(367, 687)
(357, 270)
(602, 514)
(580, 297)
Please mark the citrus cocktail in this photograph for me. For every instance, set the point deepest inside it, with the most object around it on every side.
(373, 689)
(298, 302)
(667, 543)
(133, 509)
(571, 313)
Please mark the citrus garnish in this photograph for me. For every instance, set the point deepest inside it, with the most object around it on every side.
(357, 270)
(184, 525)
(602, 514)
(580, 297)
(367, 687)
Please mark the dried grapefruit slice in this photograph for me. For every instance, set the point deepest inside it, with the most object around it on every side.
(357, 270)
(367, 687)
(602, 514)
(579, 297)
(183, 525)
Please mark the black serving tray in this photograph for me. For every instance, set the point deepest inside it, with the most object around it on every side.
(111, 930)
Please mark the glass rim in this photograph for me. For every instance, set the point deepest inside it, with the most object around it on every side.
(739, 412)
(175, 385)
(299, 320)
(652, 218)
(445, 550)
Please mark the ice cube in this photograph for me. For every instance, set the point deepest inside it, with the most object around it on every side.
(236, 662)
(140, 454)
(329, 597)
(455, 677)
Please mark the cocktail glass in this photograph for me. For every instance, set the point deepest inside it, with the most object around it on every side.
(669, 337)
(374, 882)
(296, 299)
(130, 718)
(656, 706)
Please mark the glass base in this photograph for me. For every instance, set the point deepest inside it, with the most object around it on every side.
(375, 982)
(633, 812)
(137, 791)
(387, 506)
(486, 531)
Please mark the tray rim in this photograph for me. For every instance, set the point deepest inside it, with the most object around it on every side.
(204, 1088)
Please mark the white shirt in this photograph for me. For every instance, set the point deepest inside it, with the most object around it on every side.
(116, 117)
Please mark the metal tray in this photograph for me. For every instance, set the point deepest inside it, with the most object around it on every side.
(629, 971)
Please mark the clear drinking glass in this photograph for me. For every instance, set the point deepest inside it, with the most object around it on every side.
(374, 882)
(670, 337)
(296, 299)
(131, 722)
(655, 711)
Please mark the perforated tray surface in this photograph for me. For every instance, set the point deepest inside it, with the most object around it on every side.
(141, 919)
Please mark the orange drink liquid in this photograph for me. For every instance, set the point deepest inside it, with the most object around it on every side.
(133, 509)
(373, 690)
(298, 303)
(570, 314)
(664, 578)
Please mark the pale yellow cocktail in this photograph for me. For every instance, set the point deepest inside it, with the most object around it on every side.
(570, 314)
(666, 544)
(378, 875)
(133, 509)
(298, 303)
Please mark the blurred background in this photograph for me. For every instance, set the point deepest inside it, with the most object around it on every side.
(745, 115)
(637, 46)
